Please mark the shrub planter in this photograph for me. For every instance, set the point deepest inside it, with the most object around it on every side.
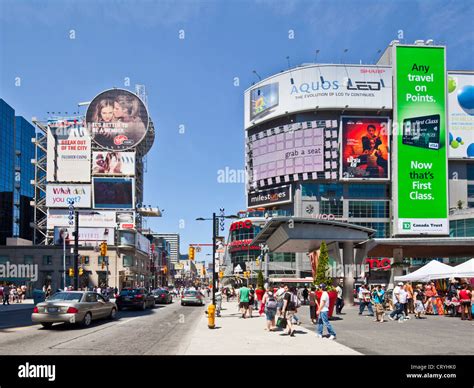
(332, 300)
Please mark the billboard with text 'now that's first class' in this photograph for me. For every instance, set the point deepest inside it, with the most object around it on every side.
(420, 183)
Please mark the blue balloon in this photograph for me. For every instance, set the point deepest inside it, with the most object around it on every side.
(470, 150)
(451, 137)
(458, 139)
(466, 99)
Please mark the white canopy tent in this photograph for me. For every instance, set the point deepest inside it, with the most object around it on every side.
(464, 270)
(431, 271)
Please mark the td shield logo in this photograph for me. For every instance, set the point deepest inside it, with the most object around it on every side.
(407, 226)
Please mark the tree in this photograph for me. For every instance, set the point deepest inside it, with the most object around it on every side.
(260, 280)
(323, 267)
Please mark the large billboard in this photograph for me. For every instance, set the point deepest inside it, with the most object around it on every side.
(117, 119)
(114, 193)
(298, 150)
(87, 236)
(69, 151)
(319, 87)
(113, 163)
(66, 195)
(364, 148)
(461, 114)
(420, 183)
(60, 217)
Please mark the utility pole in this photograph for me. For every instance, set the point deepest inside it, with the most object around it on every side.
(214, 232)
(76, 251)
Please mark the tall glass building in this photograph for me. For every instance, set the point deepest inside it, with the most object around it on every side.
(16, 172)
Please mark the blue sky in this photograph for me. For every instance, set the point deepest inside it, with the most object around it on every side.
(190, 81)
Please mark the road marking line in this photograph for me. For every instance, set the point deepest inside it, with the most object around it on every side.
(128, 320)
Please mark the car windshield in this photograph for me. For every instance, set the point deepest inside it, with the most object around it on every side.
(130, 292)
(190, 293)
(69, 296)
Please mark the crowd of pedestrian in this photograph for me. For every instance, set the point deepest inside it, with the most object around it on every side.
(11, 293)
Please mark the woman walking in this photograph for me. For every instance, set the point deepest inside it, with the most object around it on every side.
(465, 296)
(270, 304)
(418, 297)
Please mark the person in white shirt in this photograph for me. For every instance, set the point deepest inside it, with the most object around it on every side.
(340, 299)
(364, 300)
(323, 315)
(399, 295)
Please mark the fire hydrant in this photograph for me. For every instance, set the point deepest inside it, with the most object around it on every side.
(211, 316)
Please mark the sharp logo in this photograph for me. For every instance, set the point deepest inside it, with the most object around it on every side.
(365, 85)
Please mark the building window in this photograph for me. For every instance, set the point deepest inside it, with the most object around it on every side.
(282, 257)
(29, 260)
(470, 191)
(462, 228)
(47, 260)
(382, 229)
(369, 209)
(356, 190)
(85, 260)
(331, 207)
(318, 190)
(470, 172)
(127, 261)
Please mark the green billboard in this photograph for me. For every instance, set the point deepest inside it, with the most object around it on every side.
(420, 159)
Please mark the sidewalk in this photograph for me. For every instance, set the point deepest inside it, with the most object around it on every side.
(26, 305)
(236, 336)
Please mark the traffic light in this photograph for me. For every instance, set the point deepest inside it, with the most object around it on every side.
(71, 272)
(257, 262)
(191, 253)
(81, 271)
(221, 274)
(103, 249)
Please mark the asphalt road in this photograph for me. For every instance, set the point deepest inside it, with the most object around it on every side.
(162, 330)
(435, 335)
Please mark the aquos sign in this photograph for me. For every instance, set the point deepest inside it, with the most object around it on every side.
(319, 87)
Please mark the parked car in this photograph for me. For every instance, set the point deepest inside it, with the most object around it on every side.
(162, 296)
(79, 307)
(192, 297)
(138, 298)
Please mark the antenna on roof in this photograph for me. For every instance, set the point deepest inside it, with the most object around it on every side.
(289, 68)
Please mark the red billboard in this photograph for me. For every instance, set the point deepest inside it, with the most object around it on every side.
(365, 148)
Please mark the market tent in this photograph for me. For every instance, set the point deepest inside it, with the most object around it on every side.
(431, 271)
(464, 270)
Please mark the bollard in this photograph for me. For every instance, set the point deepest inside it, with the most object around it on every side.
(211, 316)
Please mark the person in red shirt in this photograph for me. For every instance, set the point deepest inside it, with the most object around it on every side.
(259, 292)
(465, 298)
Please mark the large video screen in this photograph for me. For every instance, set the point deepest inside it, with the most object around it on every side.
(117, 119)
(365, 148)
(262, 99)
(114, 193)
(113, 163)
(287, 153)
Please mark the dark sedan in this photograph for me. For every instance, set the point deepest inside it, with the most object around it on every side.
(138, 298)
(162, 296)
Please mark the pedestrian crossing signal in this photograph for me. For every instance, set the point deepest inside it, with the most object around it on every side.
(81, 271)
(71, 272)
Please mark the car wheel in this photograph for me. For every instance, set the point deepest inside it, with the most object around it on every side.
(113, 313)
(86, 322)
(46, 325)
(183, 304)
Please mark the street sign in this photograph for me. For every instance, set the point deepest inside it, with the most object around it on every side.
(238, 269)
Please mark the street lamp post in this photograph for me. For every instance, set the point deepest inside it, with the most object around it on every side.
(214, 236)
(76, 251)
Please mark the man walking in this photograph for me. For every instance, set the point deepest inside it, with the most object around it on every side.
(243, 300)
(398, 306)
(340, 299)
(6, 294)
(323, 315)
(378, 296)
(364, 300)
(305, 296)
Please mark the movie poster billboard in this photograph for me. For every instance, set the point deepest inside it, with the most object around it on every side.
(87, 236)
(126, 220)
(69, 151)
(113, 163)
(420, 182)
(461, 114)
(66, 195)
(365, 148)
(117, 120)
(60, 217)
(114, 193)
